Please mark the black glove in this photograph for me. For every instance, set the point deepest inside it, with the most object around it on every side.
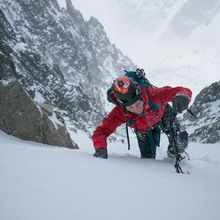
(101, 152)
(180, 103)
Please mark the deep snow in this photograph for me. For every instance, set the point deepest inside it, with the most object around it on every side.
(48, 182)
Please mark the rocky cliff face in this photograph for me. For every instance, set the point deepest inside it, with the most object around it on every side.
(19, 114)
(22, 118)
(58, 58)
(206, 107)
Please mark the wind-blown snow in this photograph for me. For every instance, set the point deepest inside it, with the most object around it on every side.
(44, 182)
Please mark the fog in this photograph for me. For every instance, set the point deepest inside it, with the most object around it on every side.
(141, 33)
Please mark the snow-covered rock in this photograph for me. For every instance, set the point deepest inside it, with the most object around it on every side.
(206, 107)
(59, 58)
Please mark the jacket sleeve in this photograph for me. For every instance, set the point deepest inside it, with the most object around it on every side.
(167, 93)
(114, 119)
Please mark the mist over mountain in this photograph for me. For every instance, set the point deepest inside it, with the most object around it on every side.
(176, 42)
(164, 20)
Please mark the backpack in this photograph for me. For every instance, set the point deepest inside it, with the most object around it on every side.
(139, 77)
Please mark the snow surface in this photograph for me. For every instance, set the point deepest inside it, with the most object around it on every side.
(48, 182)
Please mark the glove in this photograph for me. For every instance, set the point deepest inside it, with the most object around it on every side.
(180, 103)
(101, 153)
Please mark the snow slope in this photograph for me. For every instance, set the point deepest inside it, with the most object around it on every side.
(45, 182)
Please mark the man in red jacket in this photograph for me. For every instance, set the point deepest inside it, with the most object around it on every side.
(133, 104)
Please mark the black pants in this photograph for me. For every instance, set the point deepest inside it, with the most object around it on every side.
(148, 151)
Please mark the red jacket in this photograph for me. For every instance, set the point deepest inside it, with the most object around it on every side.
(143, 122)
